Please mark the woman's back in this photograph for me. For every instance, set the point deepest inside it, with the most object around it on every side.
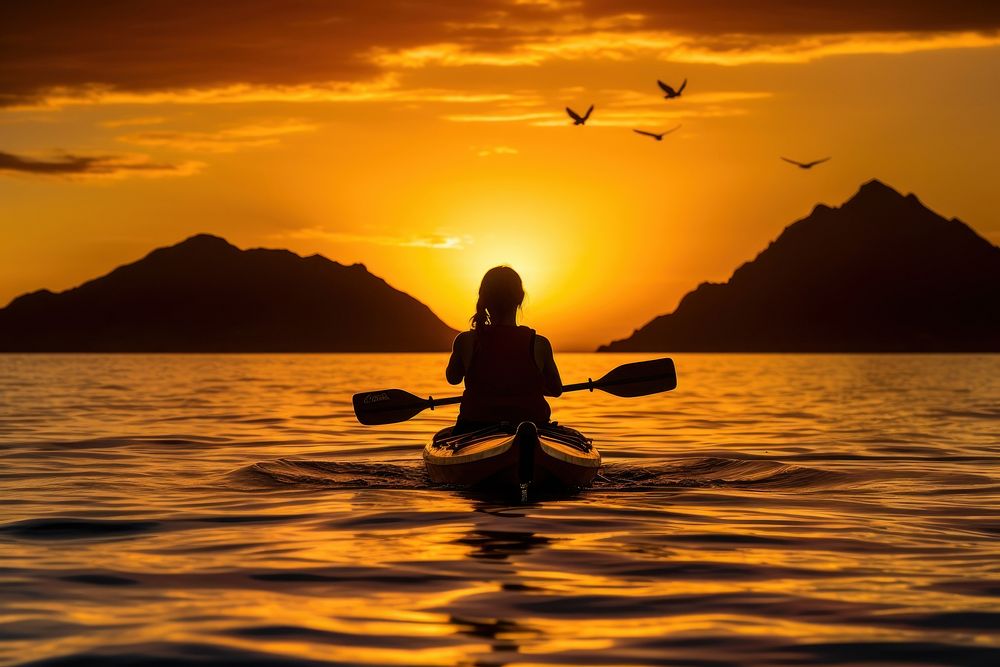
(508, 369)
(503, 381)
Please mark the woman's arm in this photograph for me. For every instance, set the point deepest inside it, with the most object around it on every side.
(455, 372)
(551, 382)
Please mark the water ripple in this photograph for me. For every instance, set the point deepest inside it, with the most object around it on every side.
(227, 509)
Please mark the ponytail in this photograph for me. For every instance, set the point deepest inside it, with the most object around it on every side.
(480, 318)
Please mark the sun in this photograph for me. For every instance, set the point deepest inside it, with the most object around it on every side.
(524, 231)
(527, 258)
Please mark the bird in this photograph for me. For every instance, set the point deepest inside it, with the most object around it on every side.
(670, 92)
(577, 118)
(657, 136)
(805, 165)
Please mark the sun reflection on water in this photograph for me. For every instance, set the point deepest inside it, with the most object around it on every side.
(177, 506)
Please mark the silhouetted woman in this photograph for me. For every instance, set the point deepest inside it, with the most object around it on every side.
(508, 369)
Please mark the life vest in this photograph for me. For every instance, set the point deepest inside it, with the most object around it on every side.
(503, 383)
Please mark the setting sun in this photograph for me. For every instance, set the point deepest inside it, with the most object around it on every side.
(429, 160)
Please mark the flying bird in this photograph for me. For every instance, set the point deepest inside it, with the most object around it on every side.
(670, 93)
(805, 165)
(577, 118)
(658, 136)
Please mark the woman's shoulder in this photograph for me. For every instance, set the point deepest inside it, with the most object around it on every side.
(541, 342)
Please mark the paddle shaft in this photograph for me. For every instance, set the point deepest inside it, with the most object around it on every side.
(576, 386)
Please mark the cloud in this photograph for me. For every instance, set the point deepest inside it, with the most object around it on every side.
(432, 241)
(131, 122)
(806, 49)
(621, 108)
(626, 98)
(74, 166)
(386, 88)
(121, 51)
(643, 117)
(437, 242)
(501, 117)
(236, 93)
(794, 17)
(226, 140)
(489, 151)
(739, 49)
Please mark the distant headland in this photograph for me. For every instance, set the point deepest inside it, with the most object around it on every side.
(881, 273)
(206, 295)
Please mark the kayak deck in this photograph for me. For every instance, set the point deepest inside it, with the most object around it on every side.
(503, 456)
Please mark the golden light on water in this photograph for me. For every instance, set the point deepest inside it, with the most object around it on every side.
(246, 522)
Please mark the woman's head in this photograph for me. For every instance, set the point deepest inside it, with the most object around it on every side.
(500, 295)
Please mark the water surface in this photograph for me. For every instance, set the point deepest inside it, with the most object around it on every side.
(773, 510)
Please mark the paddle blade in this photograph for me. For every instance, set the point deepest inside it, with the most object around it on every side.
(640, 378)
(388, 406)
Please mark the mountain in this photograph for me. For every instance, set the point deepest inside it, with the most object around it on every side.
(206, 295)
(882, 273)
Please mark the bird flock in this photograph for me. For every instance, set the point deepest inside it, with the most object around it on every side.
(669, 93)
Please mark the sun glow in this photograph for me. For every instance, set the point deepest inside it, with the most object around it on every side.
(445, 154)
(527, 259)
(526, 233)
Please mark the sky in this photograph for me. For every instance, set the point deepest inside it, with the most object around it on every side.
(429, 141)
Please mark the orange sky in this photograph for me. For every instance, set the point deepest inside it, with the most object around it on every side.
(429, 142)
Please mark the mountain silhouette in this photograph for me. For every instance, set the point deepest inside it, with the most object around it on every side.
(206, 295)
(882, 273)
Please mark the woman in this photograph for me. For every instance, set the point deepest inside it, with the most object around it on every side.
(508, 369)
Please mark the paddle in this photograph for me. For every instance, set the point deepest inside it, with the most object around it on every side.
(641, 378)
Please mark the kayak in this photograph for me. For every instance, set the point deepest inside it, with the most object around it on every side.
(501, 456)
(549, 456)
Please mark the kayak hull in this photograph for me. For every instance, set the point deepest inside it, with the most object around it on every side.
(550, 456)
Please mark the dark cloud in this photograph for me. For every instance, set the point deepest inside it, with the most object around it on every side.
(795, 17)
(174, 44)
(159, 45)
(69, 166)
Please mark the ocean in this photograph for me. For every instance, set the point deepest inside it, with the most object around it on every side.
(228, 509)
